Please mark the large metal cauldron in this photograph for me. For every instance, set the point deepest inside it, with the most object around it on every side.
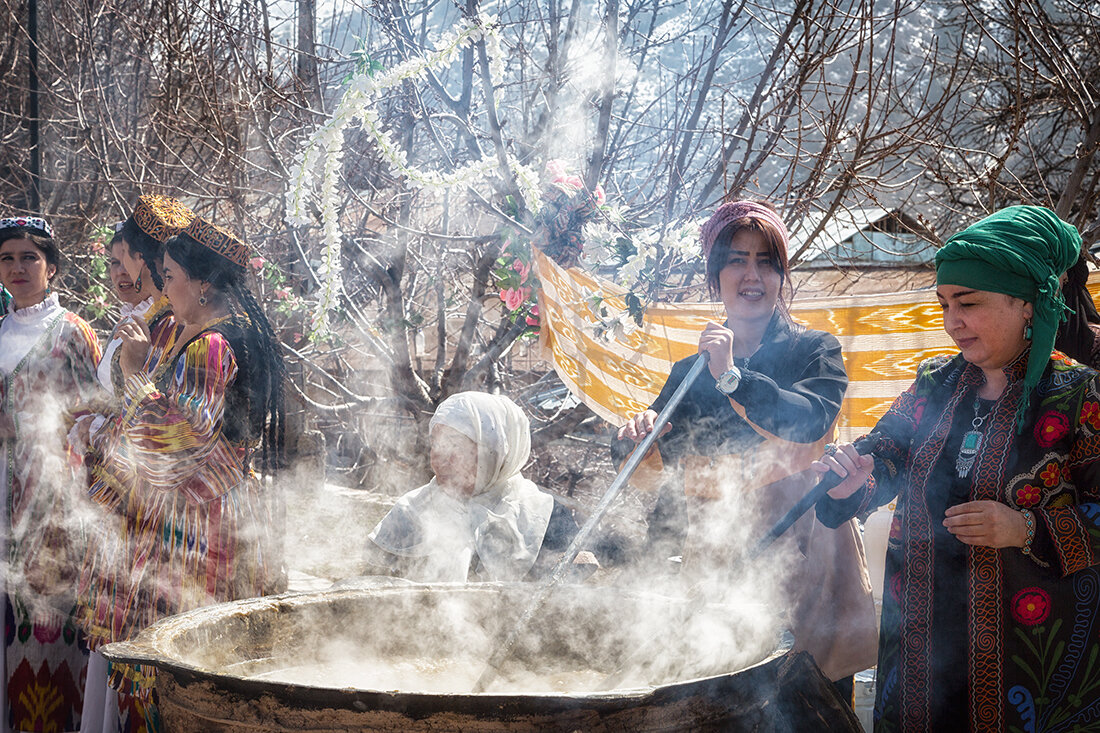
(340, 660)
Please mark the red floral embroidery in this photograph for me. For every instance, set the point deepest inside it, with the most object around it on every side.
(1051, 475)
(1028, 495)
(1031, 606)
(1051, 428)
(918, 410)
(1090, 413)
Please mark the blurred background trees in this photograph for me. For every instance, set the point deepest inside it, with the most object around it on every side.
(946, 110)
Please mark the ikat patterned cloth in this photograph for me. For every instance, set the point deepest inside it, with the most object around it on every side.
(46, 656)
(884, 337)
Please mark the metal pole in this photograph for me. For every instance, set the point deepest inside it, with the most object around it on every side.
(32, 106)
(504, 650)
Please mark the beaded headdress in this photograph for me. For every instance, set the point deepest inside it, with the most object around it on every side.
(161, 217)
(219, 240)
(27, 222)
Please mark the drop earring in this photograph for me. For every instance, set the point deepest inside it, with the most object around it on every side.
(1027, 330)
(137, 284)
(202, 298)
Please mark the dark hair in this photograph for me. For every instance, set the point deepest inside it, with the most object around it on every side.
(777, 255)
(140, 243)
(46, 245)
(255, 409)
(1075, 338)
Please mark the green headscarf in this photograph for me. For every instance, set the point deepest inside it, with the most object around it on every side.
(1019, 251)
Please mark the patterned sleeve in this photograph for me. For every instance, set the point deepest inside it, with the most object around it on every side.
(895, 430)
(82, 352)
(171, 434)
(1070, 522)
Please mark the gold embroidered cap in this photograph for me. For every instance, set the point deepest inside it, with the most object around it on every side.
(161, 217)
(222, 241)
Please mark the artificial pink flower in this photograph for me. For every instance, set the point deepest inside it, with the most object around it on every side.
(282, 293)
(257, 263)
(513, 297)
(522, 269)
(556, 169)
(599, 194)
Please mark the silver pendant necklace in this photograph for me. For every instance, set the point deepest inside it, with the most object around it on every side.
(972, 440)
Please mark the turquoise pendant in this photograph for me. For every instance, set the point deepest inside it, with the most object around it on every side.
(972, 441)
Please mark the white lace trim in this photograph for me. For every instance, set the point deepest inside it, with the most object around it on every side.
(37, 312)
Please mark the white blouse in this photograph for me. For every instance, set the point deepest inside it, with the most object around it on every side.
(22, 328)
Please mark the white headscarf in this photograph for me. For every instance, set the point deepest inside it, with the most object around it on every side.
(505, 519)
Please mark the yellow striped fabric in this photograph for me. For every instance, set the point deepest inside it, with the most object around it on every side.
(884, 337)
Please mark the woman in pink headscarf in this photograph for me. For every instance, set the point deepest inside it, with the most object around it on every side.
(737, 451)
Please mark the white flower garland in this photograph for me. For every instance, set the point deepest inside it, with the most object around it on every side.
(358, 103)
(600, 242)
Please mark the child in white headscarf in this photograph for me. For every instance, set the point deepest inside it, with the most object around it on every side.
(478, 506)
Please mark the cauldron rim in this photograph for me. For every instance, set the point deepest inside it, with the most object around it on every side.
(147, 648)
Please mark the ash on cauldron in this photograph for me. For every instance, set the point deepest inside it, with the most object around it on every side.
(406, 657)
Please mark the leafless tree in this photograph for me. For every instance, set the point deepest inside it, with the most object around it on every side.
(669, 105)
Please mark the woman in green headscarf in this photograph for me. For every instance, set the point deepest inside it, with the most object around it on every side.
(993, 454)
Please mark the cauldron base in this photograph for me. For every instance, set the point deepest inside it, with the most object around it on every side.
(786, 693)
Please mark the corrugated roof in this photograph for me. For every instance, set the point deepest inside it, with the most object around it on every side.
(841, 226)
(848, 238)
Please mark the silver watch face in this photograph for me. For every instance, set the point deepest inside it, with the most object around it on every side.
(727, 382)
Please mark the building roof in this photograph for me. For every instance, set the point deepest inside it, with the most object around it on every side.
(860, 236)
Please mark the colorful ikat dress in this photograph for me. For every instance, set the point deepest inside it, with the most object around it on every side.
(48, 359)
(175, 467)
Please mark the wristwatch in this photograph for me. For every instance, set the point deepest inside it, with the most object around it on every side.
(728, 381)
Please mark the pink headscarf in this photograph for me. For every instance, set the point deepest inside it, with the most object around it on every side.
(730, 212)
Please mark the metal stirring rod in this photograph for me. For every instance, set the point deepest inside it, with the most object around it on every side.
(504, 650)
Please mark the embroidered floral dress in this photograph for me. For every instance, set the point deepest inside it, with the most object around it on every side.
(976, 638)
(48, 364)
(178, 470)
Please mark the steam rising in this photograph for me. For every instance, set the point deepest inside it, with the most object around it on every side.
(638, 626)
